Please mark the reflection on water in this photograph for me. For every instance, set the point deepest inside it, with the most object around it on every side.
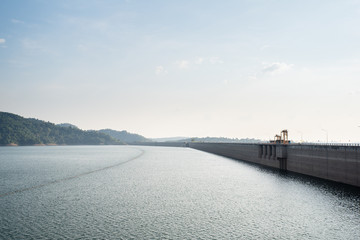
(122, 192)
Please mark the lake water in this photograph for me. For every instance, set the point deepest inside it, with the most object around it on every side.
(128, 192)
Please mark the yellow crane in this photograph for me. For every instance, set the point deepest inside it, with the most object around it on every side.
(283, 138)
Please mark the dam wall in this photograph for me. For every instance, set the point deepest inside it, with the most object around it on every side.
(245, 152)
(331, 162)
(336, 163)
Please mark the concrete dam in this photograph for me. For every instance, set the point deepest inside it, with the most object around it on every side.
(339, 163)
(331, 162)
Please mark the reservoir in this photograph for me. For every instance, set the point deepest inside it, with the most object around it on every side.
(140, 192)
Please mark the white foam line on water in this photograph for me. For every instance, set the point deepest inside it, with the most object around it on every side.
(71, 177)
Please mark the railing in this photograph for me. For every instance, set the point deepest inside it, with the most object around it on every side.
(328, 144)
(293, 143)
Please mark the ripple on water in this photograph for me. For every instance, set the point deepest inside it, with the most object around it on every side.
(172, 193)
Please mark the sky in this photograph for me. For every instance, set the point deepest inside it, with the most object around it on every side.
(234, 68)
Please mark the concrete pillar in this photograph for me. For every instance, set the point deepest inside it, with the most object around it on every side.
(274, 151)
(260, 151)
(266, 151)
(270, 151)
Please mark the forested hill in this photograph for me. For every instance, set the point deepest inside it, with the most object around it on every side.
(16, 130)
(125, 136)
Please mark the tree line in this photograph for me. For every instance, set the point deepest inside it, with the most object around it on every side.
(15, 129)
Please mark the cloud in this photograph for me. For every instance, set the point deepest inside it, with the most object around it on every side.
(216, 60)
(87, 24)
(252, 77)
(354, 93)
(2, 40)
(183, 64)
(264, 47)
(82, 48)
(37, 47)
(16, 21)
(31, 44)
(276, 68)
(199, 60)
(160, 70)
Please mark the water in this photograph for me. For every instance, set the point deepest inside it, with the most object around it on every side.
(125, 192)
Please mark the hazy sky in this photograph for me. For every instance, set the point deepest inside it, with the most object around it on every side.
(241, 68)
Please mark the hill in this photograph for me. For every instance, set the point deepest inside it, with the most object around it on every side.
(16, 130)
(221, 140)
(67, 125)
(170, 139)
(125, 136)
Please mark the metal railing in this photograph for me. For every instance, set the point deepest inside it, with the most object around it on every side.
(328, 144)
(291, 143)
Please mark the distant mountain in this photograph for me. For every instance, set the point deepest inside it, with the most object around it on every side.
(221, 139)
(169, 139)
(125, 136)
(67, 125)
(16, 130)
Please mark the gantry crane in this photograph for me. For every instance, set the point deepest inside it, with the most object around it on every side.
(283, 138)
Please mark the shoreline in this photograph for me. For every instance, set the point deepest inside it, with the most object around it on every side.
(54, 144)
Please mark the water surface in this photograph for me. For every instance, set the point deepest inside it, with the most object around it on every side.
(125, 192)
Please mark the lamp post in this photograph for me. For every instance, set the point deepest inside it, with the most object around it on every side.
(327, 135)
